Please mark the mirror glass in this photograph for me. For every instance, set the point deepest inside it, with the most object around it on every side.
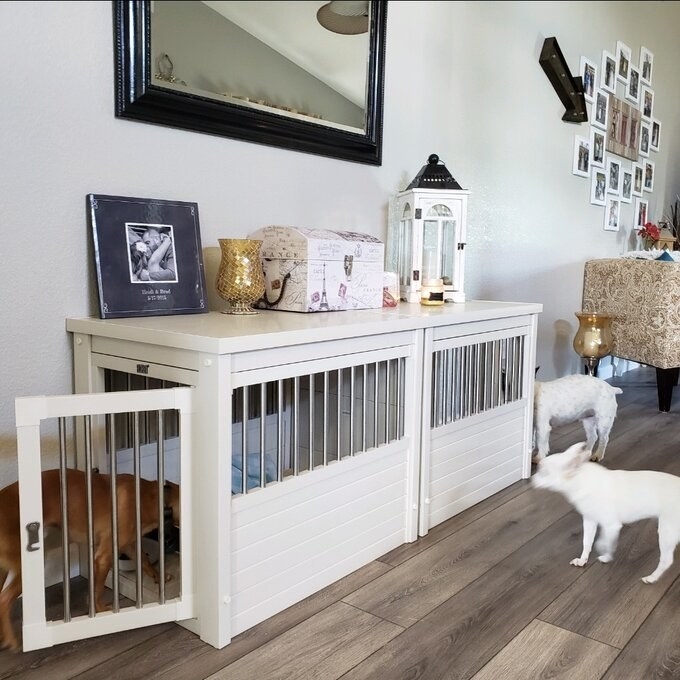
(305, 75)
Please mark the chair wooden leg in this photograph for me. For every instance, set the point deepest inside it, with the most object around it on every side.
(666, 379)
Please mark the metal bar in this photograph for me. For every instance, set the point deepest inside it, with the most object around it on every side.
(399, 399)
(376, 372)
(433, 387)
(138, 514)
(90, 514)
(351, 411)
(324, 432)
(340, 374)
(524, 366)
(488, 375)
(115, 550)
(499, 369)
(513, 365)
(471, 380)
(310, 465)
(130, 433)
(279, 430)
(66, 555)
(296, 425)
(160, 478)
(244, 440)
(263, 418)
(442, 387)
(146, 438)
(477, 377)
(364, 396)
(457, 382)
(388, 399)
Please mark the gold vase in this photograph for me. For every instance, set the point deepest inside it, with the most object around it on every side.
(240, 280)
(593, 339)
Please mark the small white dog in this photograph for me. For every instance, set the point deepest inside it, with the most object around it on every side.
(611, 498)
(572, 398)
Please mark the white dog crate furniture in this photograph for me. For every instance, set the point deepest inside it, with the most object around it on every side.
(322, 441)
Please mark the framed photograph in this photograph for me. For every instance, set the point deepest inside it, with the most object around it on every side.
(596, 147)
(649, 176)
(623, 127)
(588, 75)
(613, 176)
(641, 208)
(623, 54)
(633, 87)
(645, 138)
(627, 186)
(148, 256)
(647, 102)
(638, 173)
(598, 187)
(581, 161)
(655, 136)
(611, 214)
(600, 109)
(608, 72)
(646, 66)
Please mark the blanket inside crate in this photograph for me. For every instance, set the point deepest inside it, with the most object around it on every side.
(252, 470)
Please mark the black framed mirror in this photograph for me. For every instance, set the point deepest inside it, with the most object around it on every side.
(162, 48)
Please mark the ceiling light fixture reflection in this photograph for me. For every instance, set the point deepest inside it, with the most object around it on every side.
(346, 17)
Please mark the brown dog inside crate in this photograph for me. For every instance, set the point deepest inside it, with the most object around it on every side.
(76, 485)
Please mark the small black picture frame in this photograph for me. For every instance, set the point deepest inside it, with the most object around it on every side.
(148, 256)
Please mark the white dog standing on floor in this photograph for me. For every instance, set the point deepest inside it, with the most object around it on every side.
(608, 499)
(566, 400)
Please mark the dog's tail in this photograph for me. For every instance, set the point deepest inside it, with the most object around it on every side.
(616, 390)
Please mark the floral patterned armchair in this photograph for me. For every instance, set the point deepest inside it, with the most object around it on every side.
(644, 298)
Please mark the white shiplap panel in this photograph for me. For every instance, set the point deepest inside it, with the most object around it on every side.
(298, 557)
(465, 498)
(448, 460)
(313, 530)
(301, 532)
(249, 610)
(470, 467)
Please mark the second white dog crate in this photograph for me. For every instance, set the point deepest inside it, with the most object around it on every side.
(321, 442)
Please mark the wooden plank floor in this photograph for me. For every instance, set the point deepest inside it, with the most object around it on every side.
(487, 595)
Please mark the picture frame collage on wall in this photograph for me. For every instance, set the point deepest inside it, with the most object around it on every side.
(614, 154)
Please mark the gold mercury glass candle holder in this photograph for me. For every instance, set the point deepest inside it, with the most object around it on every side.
(593, 339)
(240, 280)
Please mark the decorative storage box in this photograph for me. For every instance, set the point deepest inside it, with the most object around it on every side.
(316, 270)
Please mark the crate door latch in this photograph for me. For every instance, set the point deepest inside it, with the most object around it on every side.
(33, 530)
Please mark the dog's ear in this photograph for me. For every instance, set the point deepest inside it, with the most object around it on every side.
(575, 455)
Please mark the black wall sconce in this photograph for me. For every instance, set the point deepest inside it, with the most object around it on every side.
(568, 88)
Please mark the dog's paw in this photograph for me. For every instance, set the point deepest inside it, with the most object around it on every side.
(649, 579)
(605, 558)
(578, 562)
(595, 458)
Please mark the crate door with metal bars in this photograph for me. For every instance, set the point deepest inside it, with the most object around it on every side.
(477, 395)
(92, 514)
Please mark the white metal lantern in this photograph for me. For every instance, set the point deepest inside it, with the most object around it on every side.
(426, 234)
